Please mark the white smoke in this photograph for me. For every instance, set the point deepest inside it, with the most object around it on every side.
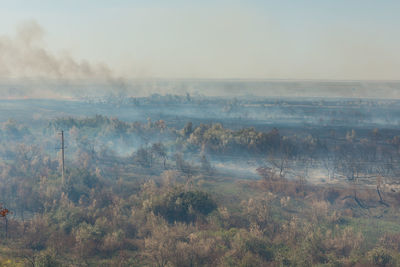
(29, 69)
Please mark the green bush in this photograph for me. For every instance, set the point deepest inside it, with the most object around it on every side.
(381, 257)
(260, 248)
(47, 259)
(184, 206)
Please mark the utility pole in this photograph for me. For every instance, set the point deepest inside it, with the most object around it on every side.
(62, 157)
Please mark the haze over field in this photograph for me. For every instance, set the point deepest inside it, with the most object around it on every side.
(280, 48)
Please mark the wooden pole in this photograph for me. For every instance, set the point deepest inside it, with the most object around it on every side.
(62, 157)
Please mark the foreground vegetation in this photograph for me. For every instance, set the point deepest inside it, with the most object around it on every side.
(159, 207)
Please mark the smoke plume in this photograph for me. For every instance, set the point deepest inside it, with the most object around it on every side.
(28, 69)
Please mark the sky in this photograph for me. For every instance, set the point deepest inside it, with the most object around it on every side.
(321, 39)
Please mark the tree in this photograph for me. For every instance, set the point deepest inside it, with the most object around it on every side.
(281, 161)
(187, 130)
(184, 167)
(159, 150)
(3, 213)
(144, 157)
(205, 164)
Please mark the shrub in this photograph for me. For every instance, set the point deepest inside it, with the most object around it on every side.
(47, 259)
(380, 257)
(331, 195)
(260, 248)
(184, 206)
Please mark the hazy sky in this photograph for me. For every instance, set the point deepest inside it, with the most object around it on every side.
(321, 39)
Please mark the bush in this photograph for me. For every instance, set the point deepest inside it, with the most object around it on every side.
(184, 206)
(381, 257)
(331, 195)
(260, 248)
(47, 259)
